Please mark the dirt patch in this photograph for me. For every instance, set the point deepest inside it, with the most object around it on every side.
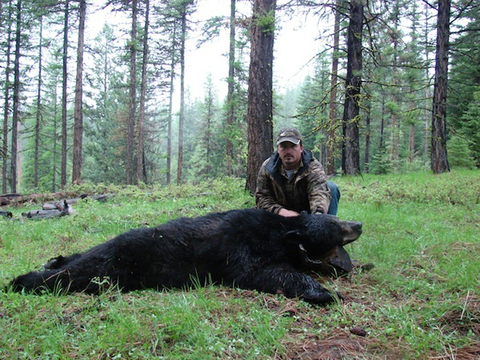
(470, 352)
(465, 319)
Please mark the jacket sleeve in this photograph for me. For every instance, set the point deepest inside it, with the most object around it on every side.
(318, 192)
(264, 196)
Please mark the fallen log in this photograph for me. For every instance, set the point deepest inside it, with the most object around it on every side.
(48, 214)
(6, 214)
(8, 198)
(59, 205)
(16, 199)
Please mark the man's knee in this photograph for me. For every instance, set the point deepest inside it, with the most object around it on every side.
(334, 190)
(335, 193)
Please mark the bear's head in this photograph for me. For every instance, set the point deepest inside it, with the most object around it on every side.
(320, 233)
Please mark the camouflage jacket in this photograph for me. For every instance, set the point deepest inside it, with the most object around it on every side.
(306, 191)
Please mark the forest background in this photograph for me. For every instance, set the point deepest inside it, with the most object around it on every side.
(116, 110)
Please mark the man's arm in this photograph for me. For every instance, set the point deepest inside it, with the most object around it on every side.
(264, 197)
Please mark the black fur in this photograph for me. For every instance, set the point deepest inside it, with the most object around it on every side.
(251, 249)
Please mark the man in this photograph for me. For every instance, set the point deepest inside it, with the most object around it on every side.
(292, 180)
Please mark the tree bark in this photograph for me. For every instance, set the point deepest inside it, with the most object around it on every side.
(367, 139)
(182, 95)
(428, 114)
(141, 117)
(260, 84)
(132, 97)
(351, 117)
(230, 92)
(78, 115)
(6, 107)
(16, 98)
(170, 105)
(39, 103)
(63, 171)
(438, 155)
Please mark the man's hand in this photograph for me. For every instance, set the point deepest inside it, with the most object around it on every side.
(288, 213)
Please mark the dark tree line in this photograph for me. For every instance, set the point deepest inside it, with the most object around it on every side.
(376, 91)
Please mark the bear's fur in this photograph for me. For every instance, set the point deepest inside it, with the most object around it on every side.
(249, 249)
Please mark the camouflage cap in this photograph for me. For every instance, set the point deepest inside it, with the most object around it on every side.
(289, 134)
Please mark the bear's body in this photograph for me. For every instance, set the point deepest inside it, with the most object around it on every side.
(250, 249)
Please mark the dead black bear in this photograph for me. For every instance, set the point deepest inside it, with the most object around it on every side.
(249, 249)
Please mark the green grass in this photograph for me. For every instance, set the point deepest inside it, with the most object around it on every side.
(420, 301)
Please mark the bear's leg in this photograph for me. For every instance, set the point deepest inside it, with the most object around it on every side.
(36, 281)
(55, 280)
(291, 283)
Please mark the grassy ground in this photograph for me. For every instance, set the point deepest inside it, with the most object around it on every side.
(420, 301)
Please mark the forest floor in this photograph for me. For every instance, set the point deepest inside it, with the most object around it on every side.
(421, 300)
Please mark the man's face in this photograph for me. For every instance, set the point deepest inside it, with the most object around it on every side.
(290, 154)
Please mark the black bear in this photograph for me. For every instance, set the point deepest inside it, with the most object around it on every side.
(249, 249)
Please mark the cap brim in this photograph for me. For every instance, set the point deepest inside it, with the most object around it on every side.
(289, 139)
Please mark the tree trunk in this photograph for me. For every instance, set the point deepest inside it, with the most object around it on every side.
(230, 92)
(78, 116)
(6, 107)
(170, 105)
(38, 110)
(428, 114)
(141, 117)
(367, 139)
(182, 95)
(351, 117)
(132, 97)
(438, 155)
(16, 99)
(331, 143)
(411, 141)
(394, 118)
(260, 107)
(63, 171)
(382, 126)
(55, 138)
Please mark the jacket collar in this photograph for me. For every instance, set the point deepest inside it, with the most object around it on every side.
(274, 164)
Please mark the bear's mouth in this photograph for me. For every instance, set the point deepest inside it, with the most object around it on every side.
(353, 230)
(335, 261)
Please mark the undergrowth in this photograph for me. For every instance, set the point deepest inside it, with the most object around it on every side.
(420, 301)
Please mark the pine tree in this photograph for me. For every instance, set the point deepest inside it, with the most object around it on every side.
(260, 89)
(439, 160)
(351, 149)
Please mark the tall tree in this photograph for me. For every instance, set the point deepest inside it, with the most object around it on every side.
(143, 87)
(428, 89)
(394, 21)
(230, 91)
(38, 108)
(181, 119)
(6, 94)
(16, 97)
(170, 102)
(351, 112)
(78, 113)
(132, 96)
(63, 173)
(260, 89)
(105, 121)
(438, 156)
(183, 9)
(331, 142)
